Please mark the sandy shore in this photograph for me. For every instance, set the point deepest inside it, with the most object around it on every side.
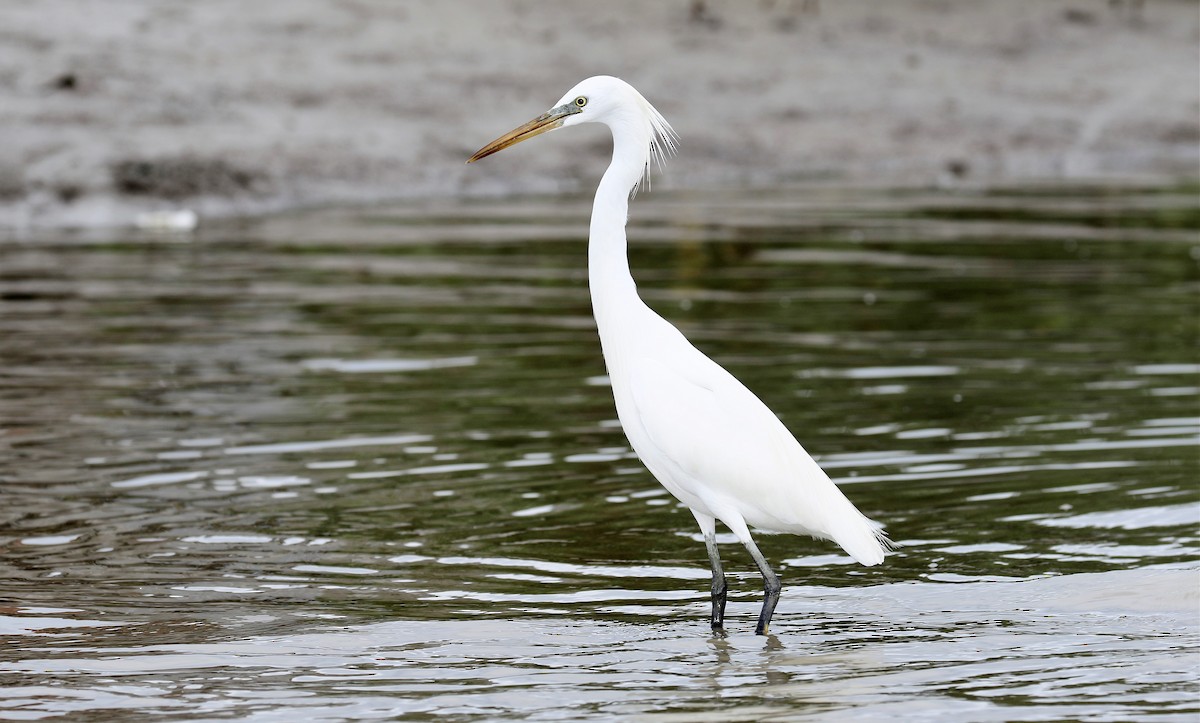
(111, 109)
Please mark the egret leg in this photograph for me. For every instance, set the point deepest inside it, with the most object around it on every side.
(709, 528)
(771, 586)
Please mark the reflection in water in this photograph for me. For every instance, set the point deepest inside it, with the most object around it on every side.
(364, 464)
(984, 651)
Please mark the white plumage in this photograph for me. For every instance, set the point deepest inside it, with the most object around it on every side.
(706, 437)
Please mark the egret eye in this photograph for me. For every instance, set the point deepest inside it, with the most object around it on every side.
(581, 101)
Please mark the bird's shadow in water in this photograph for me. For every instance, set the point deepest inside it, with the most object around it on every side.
(721, 646)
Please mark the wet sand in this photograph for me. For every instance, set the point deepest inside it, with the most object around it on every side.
(109, 110)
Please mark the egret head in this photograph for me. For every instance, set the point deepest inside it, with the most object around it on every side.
(599, 99)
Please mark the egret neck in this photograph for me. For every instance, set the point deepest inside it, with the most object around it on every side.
(614, 294)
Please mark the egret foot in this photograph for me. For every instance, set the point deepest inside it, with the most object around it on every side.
(771, 588)
(718, 607)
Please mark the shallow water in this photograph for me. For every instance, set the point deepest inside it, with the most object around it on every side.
(357, 464)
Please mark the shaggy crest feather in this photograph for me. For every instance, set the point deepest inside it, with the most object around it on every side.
(663, 142)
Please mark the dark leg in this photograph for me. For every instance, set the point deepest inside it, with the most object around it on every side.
(771, 587)
(718, 582)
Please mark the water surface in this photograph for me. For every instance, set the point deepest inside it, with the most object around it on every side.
(364, 463)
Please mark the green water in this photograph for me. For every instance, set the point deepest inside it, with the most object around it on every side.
(364, 463)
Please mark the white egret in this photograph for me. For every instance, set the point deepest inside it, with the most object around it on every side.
(707, 438)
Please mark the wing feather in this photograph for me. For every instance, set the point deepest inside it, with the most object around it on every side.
(732, 449)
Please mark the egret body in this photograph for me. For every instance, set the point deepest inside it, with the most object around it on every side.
(707, 438)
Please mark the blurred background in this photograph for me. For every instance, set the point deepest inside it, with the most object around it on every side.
(112, 109)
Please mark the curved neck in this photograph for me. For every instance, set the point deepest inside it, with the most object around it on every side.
(608, 263)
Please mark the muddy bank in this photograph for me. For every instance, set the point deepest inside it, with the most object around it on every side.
(109, 110)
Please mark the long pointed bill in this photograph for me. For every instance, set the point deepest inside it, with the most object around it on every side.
(547, 121)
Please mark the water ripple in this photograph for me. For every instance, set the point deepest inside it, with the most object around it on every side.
(363, 463)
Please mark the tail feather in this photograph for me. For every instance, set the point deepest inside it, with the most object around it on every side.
(862, 538)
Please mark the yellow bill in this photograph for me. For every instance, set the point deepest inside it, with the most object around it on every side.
(547, 121)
